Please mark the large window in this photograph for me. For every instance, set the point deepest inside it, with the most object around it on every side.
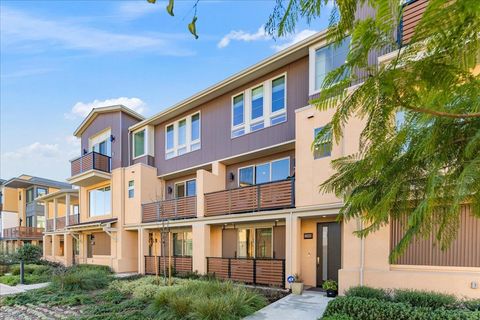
(255, 243)
(103, 147)
(30, 196)
(327, 59)
(265, 172)
(322, 148)
(186, 188)
(182, 244)
(259, 107)
(100, 201)
(182, 136)
(139, 143)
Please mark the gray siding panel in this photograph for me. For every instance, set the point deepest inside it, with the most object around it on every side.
(216, 130)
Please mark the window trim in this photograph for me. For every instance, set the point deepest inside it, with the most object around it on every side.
(267, 107)
(255, 171)
(145, 143)
(99, 137)
(188, 136)
(131, 188)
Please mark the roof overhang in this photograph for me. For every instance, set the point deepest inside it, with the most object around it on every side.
(89, 177)
(272, 63)
(96, 111)
(91, 225)
(57, 194)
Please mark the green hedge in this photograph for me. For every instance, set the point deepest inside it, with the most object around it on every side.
(373, 309)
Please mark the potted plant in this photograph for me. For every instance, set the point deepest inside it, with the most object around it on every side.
(331, 287)
(297, 285)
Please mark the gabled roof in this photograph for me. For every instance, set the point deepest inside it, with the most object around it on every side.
(278, 60)
(96, 111)
(26, 181)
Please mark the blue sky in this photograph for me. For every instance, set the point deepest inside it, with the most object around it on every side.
(59, 59)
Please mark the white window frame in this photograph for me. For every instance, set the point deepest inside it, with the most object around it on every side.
(267, 107)
(89, 202)
(312, 51)
(259, 164)
(145, 143)
(98, 138)
(184, 182)
(131, 188)
(188, 141)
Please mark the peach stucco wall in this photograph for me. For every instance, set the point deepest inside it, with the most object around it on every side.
(377, 272)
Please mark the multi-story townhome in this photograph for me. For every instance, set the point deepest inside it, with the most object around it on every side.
(225, 182)
(22, 215)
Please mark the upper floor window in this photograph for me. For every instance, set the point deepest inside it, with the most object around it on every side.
(326, 59)
(101, 143)
(182, 136)
(259, 107)
(41, 191)
(139, 143)
(30, 196)
(131, 189)
(186, 188)
(262, 173)
(100, 201)
(322, 148)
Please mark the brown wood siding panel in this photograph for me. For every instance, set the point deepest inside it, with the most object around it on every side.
(279, 240)
(150, 265)
(241, 270)
(29, 233)
(464, 251)
(270, 272)
(60, 223)
(276, 195)
(180, 265)
(412, 14)
(170, 209)
(216, 124)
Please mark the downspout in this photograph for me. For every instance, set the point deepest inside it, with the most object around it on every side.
(362, 255)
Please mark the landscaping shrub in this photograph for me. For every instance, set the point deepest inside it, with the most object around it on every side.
(31, 269)
(337, 317)
(47, 296)
(219, 300)
(473, 305)
(83, 277)
(368, 292)
(417, 298)
(372, 309)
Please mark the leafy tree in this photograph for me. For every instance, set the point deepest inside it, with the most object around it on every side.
(29, 253)
(426, 167)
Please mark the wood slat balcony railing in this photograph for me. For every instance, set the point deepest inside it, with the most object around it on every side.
(412, 13)
(73, 219)
(23, 233)
(265, 196)
(270, 272)
(180, 208)
(91, 161)
(180, 264)
(60, 223)
(49, 225)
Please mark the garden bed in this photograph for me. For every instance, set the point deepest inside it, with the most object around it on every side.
(364, 303)
(94, 294)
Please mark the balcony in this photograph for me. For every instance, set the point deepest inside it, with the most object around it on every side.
(60, 222)
(412, 13)
(265, 196)
(90, 168)
(180, 264)
(180, 208)
(27, 233)
(270, 272)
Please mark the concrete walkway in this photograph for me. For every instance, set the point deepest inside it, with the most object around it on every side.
(8, 290)
(309, 306)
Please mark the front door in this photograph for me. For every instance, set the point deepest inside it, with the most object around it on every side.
(328, 251)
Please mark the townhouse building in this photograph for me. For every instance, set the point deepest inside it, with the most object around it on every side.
(226, 183)
(22, 217)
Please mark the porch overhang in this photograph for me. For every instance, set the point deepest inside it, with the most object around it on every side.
(93, 225)
(89, 178)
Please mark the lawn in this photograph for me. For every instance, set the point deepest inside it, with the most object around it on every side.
(95, 294)
(364, 303)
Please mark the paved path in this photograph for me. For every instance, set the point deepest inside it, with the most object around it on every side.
(309, 306)
(7, 290)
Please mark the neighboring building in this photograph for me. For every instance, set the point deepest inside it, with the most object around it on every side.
(22, 217)
(225, 182)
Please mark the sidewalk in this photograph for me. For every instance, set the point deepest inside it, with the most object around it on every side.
(309, 306)
(8, 290)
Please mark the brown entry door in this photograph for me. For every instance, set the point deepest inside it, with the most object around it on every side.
(328, 251)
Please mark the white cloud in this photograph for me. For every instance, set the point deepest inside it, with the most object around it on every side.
(294, 38)
(35, 150)
(131, 10)
(23, 30)
(81, 109)
(241, 35)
